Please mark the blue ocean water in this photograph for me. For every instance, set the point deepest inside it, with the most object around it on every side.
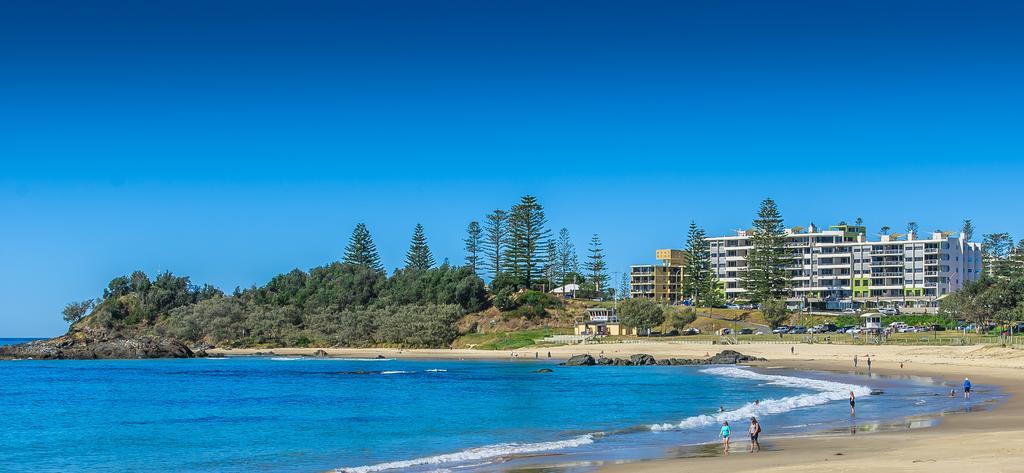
(15, 341)
(308, 414)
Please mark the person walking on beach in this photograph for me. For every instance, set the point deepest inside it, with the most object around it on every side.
(854, 361)
(853, 404)
(726, 431)
(869, 362)
(755, 430)
(967, 388)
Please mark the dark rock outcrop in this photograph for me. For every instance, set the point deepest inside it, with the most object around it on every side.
(580, 360)
(725, 357)
(730, 357)
(88, 344)
(642, 359)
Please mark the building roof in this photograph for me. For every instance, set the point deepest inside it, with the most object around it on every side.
(566, 288)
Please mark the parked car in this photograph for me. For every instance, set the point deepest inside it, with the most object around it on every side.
(850, 311)
(798, 330)
(746, 331)
(732, 306)
(938, 328)
(691, 331)
(781, 329)
(855, 330)
(889, 311)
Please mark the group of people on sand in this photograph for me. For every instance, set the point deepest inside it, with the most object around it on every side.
(755, 427)
(753, 432)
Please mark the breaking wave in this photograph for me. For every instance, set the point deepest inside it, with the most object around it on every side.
(479, 453)
(827, 391)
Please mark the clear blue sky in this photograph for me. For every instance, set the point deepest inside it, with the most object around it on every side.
(234, 140)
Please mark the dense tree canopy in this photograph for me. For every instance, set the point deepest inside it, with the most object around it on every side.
(642, 314)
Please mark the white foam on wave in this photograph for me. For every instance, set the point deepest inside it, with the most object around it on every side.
(436, 370)
(286, 358)
(478, 453)
(359, 359)
(827, 391)
(395, 372)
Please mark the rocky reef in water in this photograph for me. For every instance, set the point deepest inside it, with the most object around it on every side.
(725, 357)
(92, 344)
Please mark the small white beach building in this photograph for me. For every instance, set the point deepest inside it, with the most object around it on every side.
(872, 321)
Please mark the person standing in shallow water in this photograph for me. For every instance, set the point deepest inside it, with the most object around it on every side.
(726, 431)
(853, 404)
(967, 388)
(755, 430)
(869, 363)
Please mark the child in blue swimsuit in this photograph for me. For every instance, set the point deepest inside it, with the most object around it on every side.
(725, 436)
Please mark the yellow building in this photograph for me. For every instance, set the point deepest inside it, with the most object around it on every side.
(662, 281)
(600, 322)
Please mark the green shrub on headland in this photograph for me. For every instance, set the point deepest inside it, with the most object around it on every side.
(335, 305)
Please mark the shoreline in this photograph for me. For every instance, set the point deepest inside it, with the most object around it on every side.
(966, 441)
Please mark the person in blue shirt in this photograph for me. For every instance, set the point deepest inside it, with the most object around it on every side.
(967, 388)
(725, 436)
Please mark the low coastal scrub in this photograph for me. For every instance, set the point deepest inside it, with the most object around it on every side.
(339, 304)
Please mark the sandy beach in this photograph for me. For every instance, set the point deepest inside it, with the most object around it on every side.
(985, 440)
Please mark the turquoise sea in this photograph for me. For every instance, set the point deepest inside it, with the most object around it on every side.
(308, 414)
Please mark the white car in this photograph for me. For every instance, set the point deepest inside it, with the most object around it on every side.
(849, 311)
(889, 311)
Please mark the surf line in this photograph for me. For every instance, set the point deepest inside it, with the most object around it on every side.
(827, 391)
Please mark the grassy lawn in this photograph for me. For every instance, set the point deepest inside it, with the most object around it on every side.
(506, 340)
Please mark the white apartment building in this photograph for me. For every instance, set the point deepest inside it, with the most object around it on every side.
(838, 267)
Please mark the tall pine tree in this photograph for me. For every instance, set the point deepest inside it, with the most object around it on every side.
(361, 250)
(968, 230)
(995, 250)
(625, 286)
(700, 282)
(495, 239)
(595, 265)
(527, 240)
(473, 245)
(767, 277)
(566, 254)
(419, 257)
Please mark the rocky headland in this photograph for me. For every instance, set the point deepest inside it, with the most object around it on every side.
(725, 357)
